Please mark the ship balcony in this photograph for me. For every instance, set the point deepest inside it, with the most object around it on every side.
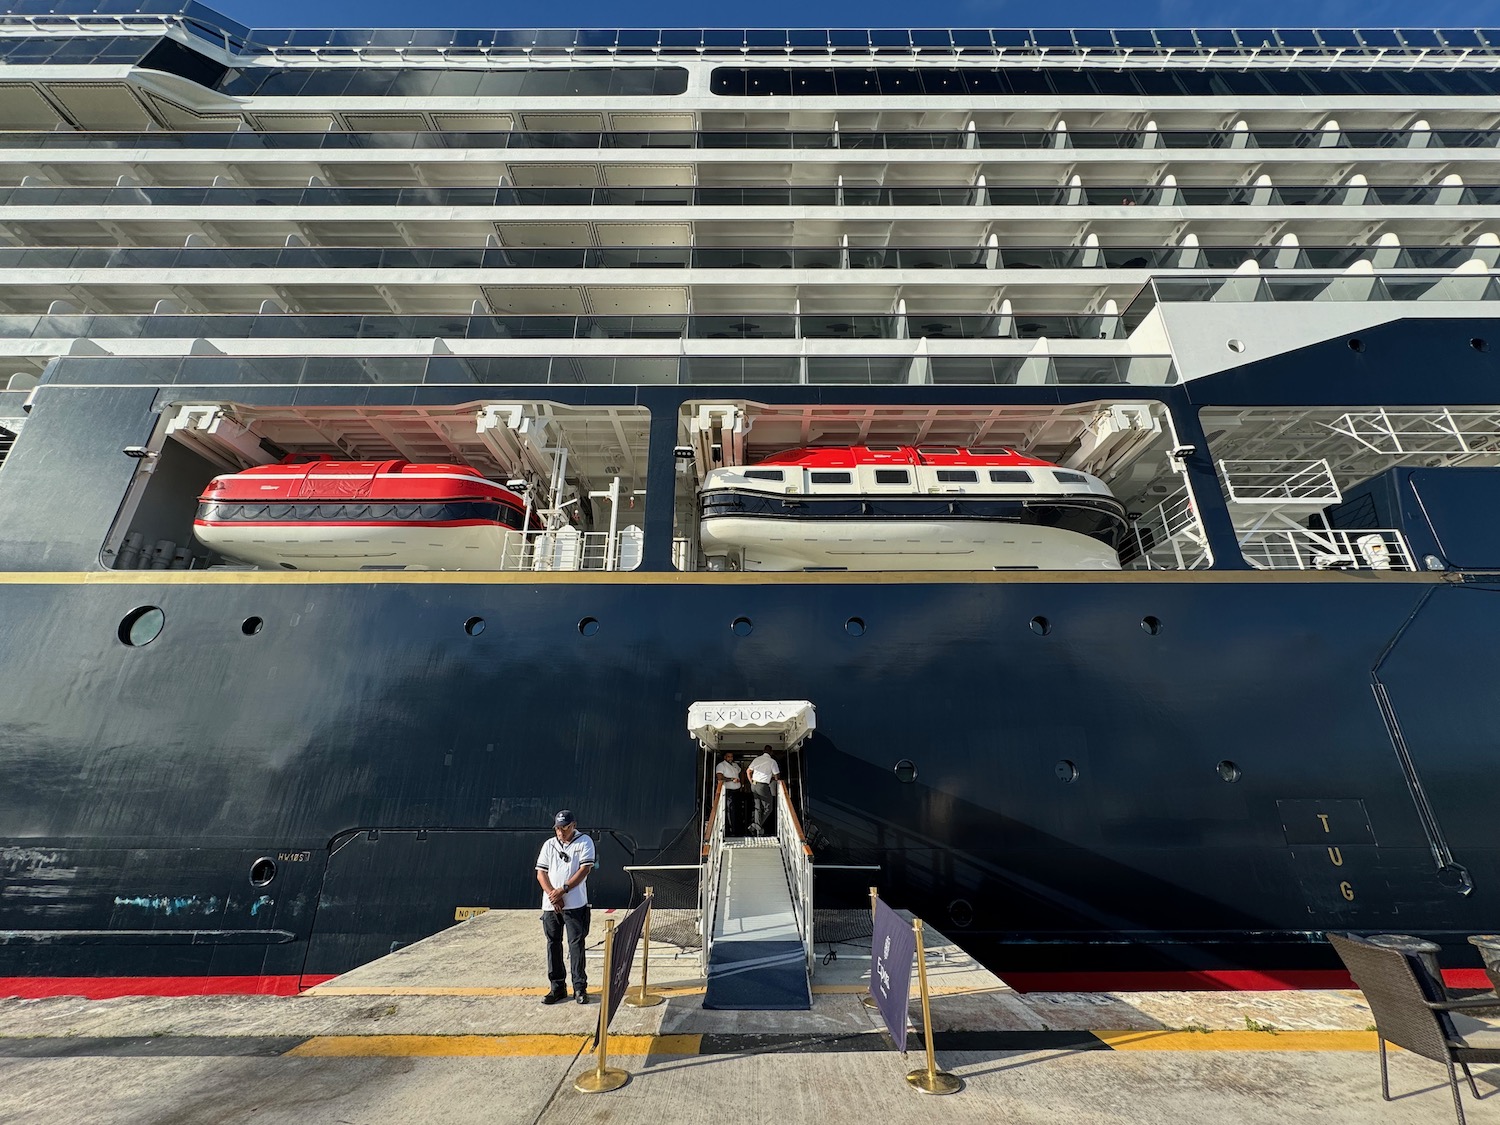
(727, 304)
(562, 166)
(1130, 214)
(1039, 368)
(1119, 225)
(910, 138)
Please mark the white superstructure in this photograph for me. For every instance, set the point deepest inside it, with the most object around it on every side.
(187, 201)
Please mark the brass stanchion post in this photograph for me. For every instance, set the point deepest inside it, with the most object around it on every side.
(603, 1077)
(641, 996)
(930, 1080)
(869, 1000)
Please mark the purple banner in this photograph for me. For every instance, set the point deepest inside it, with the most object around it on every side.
(892, 953)
(627, 936)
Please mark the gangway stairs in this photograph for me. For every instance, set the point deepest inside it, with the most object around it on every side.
(757, 916)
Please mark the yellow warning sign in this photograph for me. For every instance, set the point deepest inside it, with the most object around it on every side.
(462, 912)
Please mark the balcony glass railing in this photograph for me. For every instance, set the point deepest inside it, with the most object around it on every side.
(1255, 288)
(752, 326)
(855, 140)
(1281, 195)
(728, 258)
(631, 370)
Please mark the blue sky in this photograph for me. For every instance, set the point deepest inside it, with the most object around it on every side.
(866, 13)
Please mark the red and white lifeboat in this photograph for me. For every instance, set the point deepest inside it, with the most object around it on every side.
(903, 507)
(323, 514)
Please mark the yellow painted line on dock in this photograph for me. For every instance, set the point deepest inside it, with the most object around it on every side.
(1238, 1040)
(489, 1046)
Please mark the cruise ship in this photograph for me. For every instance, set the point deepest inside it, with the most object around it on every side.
(1193, 335)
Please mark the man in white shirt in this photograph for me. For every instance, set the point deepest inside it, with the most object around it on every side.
(733, 795)
(763, 774)
(562, 870)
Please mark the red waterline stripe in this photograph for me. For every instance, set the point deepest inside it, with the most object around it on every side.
(107, 988)
(1223, 980)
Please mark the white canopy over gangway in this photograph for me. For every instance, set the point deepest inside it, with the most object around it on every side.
(740, 725)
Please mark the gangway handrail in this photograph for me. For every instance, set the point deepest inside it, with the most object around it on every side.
(796, 858)
(708, 885)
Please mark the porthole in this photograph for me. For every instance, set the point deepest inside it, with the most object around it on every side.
(1066, 771)
(1356, 344)
(1479, 344)
(1228, 771)
(588, 626)
(855, 626)
(1151, 625)
(961, 913)
(141, 626)
(906, 771)
(474, 626)
(251, 625)
(1236, 346)
(742, 626)
(262, 871)
(1041, 626)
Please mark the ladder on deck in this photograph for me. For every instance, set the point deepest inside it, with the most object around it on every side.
(757, 915)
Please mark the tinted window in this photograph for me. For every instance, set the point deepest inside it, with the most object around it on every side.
(892, 476)
(1070, 478)
(1259, 82)
(1009, 476)
(958, 476)
(764, 474)
(831, 478)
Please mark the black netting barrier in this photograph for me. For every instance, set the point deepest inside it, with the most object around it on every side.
(672, 873)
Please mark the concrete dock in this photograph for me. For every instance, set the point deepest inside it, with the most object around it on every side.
(451, 1029)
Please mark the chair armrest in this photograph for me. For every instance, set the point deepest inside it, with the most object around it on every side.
(1468, 1003)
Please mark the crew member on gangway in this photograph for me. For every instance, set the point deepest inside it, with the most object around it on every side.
(763, 774)
(733, 795)
(562, 869)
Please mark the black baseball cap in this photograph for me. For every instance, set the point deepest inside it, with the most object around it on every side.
(564, 816)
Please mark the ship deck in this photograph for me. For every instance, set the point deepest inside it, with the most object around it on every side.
(451, 1029)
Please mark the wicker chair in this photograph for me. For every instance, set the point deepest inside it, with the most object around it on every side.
(1406, 1015)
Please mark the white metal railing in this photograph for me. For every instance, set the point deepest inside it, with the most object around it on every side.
(796, 858)
(1170, 536)
(1283, 547)
(1280, 483)
(708, 885)
(568, 549)
(1403, 433)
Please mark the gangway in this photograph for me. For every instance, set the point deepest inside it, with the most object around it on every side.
(755, 892)
(757, 914)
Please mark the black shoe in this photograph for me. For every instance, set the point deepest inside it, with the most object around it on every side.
(581, 997)
(556, 996)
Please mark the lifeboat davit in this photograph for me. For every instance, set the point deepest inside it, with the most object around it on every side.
(324, 514)
(903, 507)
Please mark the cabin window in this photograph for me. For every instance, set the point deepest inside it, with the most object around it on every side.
(764, 474)
(1071, 478)
(938, 451)
(1009, 476)
(873, 448)
(957, 476)
(892, 476)
(832, 478)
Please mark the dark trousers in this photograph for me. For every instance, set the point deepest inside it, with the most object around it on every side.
(734, 811)
(576, 923)
(765, 807)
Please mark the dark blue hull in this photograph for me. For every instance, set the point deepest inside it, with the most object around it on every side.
(1138, 772)
(398, 769)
